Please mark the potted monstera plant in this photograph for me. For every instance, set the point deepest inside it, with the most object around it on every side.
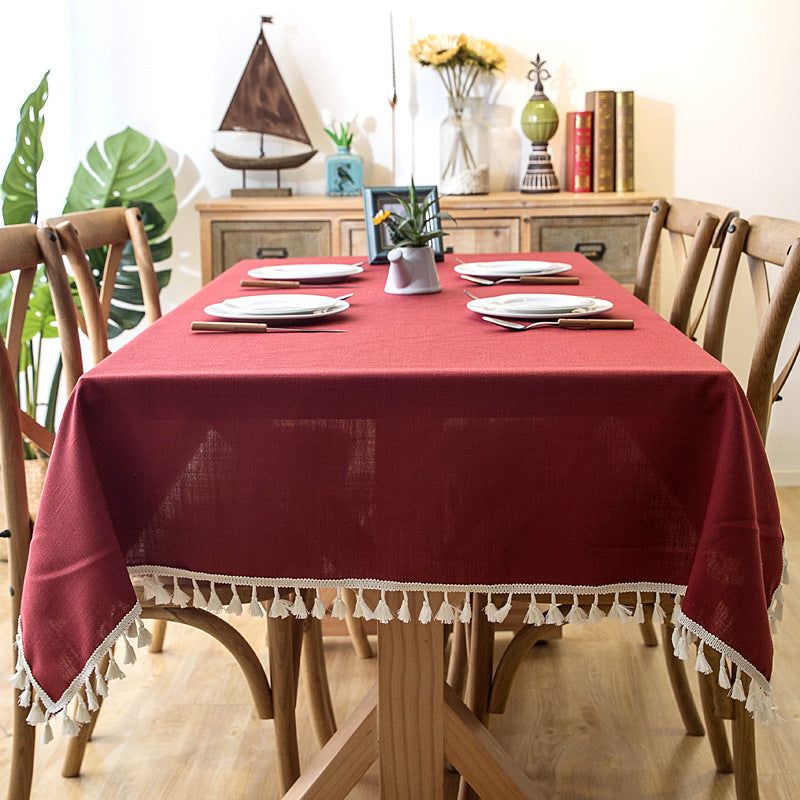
(127, 169)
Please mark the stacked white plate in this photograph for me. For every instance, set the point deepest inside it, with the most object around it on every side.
(539, 306)
(276, 307)
(317, 273)
(511, 269)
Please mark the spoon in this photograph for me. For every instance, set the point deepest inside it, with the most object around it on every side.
(572, 324)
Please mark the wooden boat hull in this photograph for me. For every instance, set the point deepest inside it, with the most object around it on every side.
(264, 162)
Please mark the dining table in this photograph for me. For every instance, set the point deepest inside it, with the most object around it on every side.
(419, 456)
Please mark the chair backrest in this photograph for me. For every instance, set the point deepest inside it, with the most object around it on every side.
(22, 249)
(694, 228)
(764, 241)
(115, 227)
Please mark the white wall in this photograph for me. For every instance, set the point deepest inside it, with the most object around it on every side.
(715, 85)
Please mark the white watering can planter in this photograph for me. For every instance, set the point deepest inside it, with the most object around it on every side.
(412, 270)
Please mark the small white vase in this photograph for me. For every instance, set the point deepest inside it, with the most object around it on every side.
(412, 270)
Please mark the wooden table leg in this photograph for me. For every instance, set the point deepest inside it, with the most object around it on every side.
(410, 709)
(411, 726)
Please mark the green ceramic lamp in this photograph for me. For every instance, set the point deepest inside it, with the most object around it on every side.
(539, 123)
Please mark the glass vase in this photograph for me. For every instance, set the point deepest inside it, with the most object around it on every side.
(343, 173)
(464, 148)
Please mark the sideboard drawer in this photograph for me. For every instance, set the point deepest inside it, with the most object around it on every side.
(235, 241)
(610, 242)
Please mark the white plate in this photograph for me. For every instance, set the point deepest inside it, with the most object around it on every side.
(539, 306)
(512, 269)
(306, 272)
(278, 304)
(223, 311)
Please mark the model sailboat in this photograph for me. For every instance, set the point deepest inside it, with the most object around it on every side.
(262, 105)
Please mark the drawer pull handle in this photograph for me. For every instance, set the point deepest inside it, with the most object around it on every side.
(592, 250)
(272, 252)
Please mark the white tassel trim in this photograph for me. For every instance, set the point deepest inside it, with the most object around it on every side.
(235, 605)
(404, 613)
(618, 611)
(382, 611)
(465, 616)
(362, 609)
(179, 597)
(255, 606)
(534, 615)
(576, 615)
(299, 610)
(425, 613)
(318, 610)
(279, 607)
(554, 615)
(758, 699)
(214, 604)
(339, 610)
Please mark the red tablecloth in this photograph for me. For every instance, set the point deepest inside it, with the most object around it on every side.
(424, 448)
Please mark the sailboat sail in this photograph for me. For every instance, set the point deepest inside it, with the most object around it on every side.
(262, 104)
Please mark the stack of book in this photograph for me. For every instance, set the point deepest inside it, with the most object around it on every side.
(599, 149)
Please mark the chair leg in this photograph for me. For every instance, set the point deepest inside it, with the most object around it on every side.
(745, 774)
(680, 685)
(76, 747)
(22, 751)
(282, 673)
(479, 674)
(315, 679)
(158, 632)
(457, 665)
(648, 631)
(234, 643)
(717, 707)
(355, 626)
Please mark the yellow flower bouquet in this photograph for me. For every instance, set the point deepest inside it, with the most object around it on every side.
(458, 60)
(464, 150)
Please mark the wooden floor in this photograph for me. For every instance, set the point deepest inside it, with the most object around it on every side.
(591, 716)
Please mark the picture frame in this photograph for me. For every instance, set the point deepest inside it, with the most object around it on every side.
(380, 198)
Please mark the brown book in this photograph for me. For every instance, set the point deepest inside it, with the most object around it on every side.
(602, 104)
(623, 156)
(578, 162)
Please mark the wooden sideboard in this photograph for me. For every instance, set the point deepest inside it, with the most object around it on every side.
(607, 227)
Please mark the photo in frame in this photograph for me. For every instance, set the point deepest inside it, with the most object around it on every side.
(380, 198)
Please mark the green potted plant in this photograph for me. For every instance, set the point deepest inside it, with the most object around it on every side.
(412, 267)
(131, 169)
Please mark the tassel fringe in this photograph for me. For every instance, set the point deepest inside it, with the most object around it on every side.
(731, 676)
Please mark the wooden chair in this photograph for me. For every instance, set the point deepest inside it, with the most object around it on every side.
(20, 254)
(694, 229)
(767, 244)
(22, 248)
(112, 227)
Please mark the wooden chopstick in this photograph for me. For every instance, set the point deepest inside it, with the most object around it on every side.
(254, 327)
(271, 284)
(583, 323)
(534, 279)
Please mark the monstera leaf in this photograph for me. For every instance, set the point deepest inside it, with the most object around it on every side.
(129, 170)
(20, 198)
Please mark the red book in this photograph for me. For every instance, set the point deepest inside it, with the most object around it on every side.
(579, 152)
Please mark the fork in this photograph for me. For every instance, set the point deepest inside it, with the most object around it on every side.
(579, 324)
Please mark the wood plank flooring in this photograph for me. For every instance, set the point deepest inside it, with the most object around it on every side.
(591, 717)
